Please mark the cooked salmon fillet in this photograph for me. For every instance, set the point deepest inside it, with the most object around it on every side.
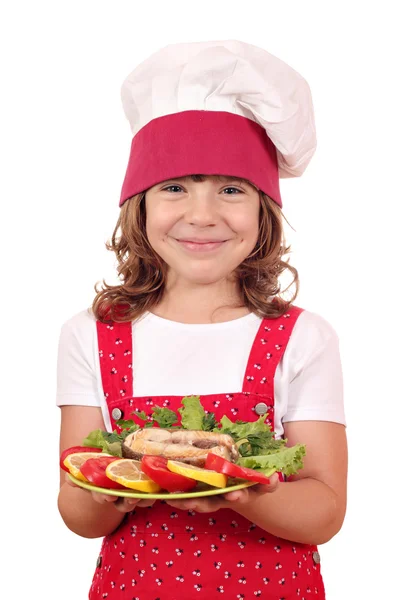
(187, 446)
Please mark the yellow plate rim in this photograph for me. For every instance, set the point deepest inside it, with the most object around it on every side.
(161, 496)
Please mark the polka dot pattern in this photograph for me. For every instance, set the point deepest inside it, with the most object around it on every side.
(161, 553)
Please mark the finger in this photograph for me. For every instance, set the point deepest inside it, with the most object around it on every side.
(189, 504)
(200, 505)
(103, 498)
(69, 481)
(108, 498)
(129, 504)
(184, 504)
(210, 506)
(125, 505)
(267, 488)
(145, 503)
(243, 496)
(274, 481)
(179, 504)
(240, 496)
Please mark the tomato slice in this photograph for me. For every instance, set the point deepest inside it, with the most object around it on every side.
(156, 468)
(94, 470)
(72, 450)
(221, 465)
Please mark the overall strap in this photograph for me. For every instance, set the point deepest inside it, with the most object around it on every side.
(267, 350)
(115, 352)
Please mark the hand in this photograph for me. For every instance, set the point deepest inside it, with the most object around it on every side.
(231, 500)
(123, 505)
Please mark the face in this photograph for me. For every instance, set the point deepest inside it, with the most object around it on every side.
(202, 230)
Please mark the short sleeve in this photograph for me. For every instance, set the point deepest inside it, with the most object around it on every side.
(77, 379)
(315, 390)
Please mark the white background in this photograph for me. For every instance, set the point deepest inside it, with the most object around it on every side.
(64, 148)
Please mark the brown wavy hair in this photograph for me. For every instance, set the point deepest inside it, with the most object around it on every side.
(142, 271)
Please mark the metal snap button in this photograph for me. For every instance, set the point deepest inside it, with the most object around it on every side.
(116, 414)
(316, 557)
(98, 563)
(261, 408)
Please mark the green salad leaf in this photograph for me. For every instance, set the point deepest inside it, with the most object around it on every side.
(209, 422)
(263, 443)
(257, 446)
(115, 449)
(109, 443)
(287, 460)
(95, 439)
(252, 438)
(241, 429)
(165, 417)
(140, 414)
(192, 413)
(127, 424)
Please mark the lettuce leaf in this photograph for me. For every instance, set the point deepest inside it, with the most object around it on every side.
(111, 443)
(253, 438)
(241, 429)
(192, 413)
(108, 442)
(259, 444)
(95, 439)
(115, 449)
(288, 460)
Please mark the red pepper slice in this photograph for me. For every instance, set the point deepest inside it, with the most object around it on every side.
(221, 465)
(94, 470)
(72, 450)
(156, 468)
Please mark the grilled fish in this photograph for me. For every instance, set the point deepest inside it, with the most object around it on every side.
(184, 445)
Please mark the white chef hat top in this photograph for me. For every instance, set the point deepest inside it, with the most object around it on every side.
(225, 84)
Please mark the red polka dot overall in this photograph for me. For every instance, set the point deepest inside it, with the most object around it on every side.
(159, 553)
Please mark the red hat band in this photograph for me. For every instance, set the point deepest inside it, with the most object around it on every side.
(201, 142)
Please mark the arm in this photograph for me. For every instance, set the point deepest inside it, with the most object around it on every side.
(85, 513)
(78, 509)
(309, 509)
(88, 514)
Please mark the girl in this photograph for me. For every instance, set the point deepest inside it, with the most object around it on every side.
(199, 310)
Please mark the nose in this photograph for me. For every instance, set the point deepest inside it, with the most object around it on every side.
(201, 208)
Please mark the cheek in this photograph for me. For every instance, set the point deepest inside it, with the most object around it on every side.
(158, 224)
(246, 225)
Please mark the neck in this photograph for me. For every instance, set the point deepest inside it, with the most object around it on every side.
(186, 302)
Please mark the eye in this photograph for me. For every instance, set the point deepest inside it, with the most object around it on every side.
(173, 189)
(234, 190)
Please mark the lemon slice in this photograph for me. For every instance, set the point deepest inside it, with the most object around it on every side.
(74, 461)
(127, 472)
(204, 475)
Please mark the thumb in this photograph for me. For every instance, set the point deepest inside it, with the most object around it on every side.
(267, 488)
(69, 481)
(273, 482)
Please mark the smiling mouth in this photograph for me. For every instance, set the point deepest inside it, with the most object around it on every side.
(201, 245)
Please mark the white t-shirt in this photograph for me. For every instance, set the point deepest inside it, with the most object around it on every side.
(171, 358)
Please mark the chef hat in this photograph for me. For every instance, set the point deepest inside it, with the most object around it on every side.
(217, 108)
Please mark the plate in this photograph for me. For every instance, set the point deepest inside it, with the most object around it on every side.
(127, 493)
